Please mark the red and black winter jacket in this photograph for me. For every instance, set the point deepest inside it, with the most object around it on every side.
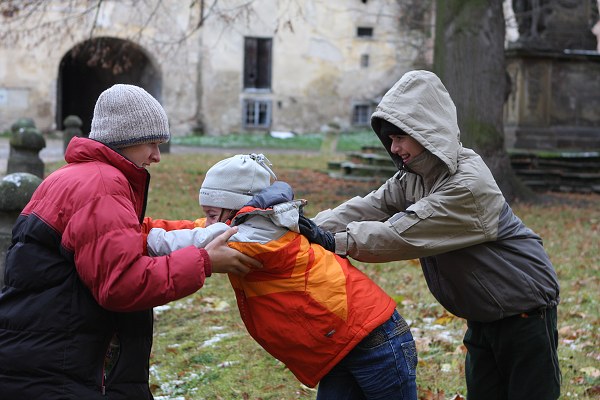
(77, 273)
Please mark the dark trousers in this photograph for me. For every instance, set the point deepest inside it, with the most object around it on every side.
(513, 358)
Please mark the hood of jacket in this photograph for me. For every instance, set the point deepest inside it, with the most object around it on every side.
(265, 224)
(420, 105)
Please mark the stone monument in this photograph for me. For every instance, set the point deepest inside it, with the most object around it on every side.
(554, 67)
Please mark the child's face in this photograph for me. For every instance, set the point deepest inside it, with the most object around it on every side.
(406, 147)
(217, 214)
(212, 214)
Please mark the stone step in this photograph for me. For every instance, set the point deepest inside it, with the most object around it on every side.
(370, 159)
(368, 170)
(566, 171)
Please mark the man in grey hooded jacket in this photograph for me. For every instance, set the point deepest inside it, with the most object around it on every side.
(479, 260)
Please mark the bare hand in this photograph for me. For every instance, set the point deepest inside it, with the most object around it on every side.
(224, 259)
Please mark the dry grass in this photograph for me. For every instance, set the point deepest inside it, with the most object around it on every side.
(202, 350)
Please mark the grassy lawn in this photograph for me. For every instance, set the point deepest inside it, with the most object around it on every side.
(346, 141)
(202, 350)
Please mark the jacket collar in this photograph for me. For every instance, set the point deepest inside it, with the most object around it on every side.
(429, 167)
(82, 150)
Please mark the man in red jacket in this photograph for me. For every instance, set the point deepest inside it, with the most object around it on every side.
(77, 274)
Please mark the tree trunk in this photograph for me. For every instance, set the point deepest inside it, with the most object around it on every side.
(469, 59)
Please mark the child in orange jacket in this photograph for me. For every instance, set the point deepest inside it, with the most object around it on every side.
(311, 309)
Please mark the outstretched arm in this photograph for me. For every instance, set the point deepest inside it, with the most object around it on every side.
(162, 242)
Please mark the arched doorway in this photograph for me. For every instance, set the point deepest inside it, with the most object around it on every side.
(95, 65)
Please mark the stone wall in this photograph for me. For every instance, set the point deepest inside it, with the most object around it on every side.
(32, 52)
(193, 58)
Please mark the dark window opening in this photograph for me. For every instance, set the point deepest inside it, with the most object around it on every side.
(257, 63)
(256, 113)
(361, 115)
(364, 61)
(363, 31)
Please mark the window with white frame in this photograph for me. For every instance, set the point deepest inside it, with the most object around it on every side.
(361, 114)
(256, 113)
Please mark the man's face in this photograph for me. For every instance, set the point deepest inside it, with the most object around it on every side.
(406, 147)
(142, 155)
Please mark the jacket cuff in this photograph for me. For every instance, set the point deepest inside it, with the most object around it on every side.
(341, 243)
(207, 263)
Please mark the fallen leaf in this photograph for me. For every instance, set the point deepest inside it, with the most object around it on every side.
(445, 318)
(460, 349)
(593, 391)
(427, 394)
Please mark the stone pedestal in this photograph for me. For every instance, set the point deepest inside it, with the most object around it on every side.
(25, 144)
(554, 102)
(554, 70)
(15, 192)
(72, 129)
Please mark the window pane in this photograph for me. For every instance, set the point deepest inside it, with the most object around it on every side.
(257, 63)
(364, 60)
(361, 114)
(250, 62)
(257, 113)
(363, 31)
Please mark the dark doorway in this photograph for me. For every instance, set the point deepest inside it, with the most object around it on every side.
(95, 65)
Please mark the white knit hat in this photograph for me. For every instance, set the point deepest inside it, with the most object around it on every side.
(232, 182)
(126, 115)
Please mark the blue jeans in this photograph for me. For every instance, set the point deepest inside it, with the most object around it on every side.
(382, 366)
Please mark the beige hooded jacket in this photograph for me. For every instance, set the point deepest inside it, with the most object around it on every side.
(480, 261)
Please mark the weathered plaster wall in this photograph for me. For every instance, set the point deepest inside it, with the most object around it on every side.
(29, 66)
(316, 72)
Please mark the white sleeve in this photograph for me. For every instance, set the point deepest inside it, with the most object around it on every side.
(161, 242)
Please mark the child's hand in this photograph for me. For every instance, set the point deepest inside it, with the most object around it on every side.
(224, 259)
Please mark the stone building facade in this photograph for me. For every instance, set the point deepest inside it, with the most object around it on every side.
(217, 67)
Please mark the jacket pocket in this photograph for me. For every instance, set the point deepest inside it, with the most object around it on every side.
(490, 305)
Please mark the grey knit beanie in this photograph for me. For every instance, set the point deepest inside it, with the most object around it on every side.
(126, 115)
(232, 182)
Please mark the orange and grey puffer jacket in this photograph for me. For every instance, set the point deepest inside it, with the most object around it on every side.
(307, 306)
